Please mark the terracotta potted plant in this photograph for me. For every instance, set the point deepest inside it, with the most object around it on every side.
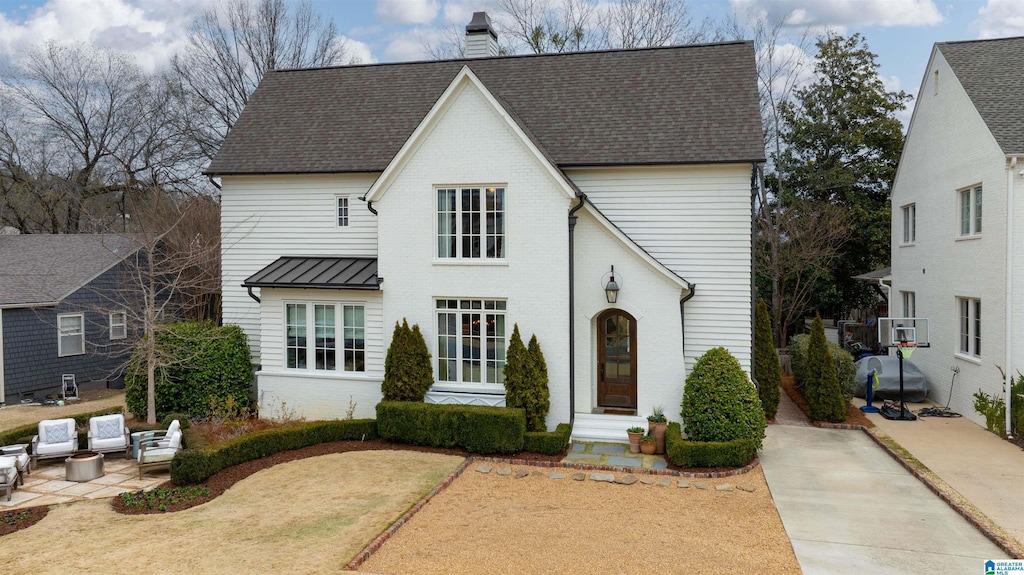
(656, 423)
(647, 444)
(634, 433)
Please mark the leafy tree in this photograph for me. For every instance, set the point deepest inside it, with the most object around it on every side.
(842, 145)
(821, 389)
(766, 361)
(719, 402)
(538, 397)
(408, 373)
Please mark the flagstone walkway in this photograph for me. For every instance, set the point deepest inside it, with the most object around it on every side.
(616, 454)
(47, 484)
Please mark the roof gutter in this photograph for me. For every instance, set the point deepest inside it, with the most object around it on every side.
(572, 308)
(1009, 295)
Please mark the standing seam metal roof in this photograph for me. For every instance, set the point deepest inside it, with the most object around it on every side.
(317, 272)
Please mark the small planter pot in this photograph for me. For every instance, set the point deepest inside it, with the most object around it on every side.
(658, 431)
(634, 441)
(647, 447)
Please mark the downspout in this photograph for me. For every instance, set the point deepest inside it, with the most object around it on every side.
(215, 184)
(252, 295)
(369, 205)
(682, 316)
(888, 292)
(572, 309)
(754, 179)
(1009, 294)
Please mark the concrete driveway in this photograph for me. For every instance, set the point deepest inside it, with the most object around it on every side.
(848, 507)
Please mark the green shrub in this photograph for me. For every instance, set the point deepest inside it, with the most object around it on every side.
(846, 370)
(766, 362)
(719, 402)
(207, 362)
(993, 409)
(526, 381)
(408, 373)
(735, 453)
(195, 465)
(477, 429)
(181, 417)
(824, 396)
(548, 442)
(24, 433)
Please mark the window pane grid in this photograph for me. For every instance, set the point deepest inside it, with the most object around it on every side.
(446, 223)
(342, 212)
(471, 223)
(495, 222)
(970, 326)
(970, 211)
(118, 326)
(325, 337)
(71, 335)
(977, 210)
(295, 332)
(470, 342)
(355, 338)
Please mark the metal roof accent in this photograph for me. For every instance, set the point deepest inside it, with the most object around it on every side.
(317, 272)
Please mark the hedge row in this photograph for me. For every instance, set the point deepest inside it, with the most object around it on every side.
(548, 442)
(24, 433)
(477, 429)
(195, 465)
(735, 453)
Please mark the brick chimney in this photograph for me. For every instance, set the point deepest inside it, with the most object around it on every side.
(481, 39)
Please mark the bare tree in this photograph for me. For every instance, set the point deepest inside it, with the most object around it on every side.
(232, 45)
(543, 26)
(650, 23)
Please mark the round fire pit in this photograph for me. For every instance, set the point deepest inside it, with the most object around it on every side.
(84, 466)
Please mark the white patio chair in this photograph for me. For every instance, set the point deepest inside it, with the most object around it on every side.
(108, 434)
(162, 435)
(8, 474)
(152, 454)
(56, 438)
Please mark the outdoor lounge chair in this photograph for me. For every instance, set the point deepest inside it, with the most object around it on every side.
(9, 475)
(162, 436)
(108, 434)
(152, 454)
(56, 438)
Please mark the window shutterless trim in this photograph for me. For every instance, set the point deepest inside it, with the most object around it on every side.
(312, 348)
(61, 335)
(342, 212)
(470, 219)
(123, 325)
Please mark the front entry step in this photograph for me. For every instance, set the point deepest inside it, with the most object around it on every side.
(604, 427)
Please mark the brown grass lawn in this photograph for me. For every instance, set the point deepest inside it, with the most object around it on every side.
(492, 524)
(14, 415)
(307, 516)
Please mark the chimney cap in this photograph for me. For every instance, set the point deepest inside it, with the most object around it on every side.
(480, 24)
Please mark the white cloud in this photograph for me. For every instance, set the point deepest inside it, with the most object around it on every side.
(835, 13)
(412, 44)
(407, 11)
(1000, 18)
(358, 52)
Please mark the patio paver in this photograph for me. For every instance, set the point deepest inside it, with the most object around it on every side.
(46, 484)
(615, 454)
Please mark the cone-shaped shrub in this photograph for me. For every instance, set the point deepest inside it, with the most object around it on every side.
(821, 389)
(719, 401)
(407, 370)
(536, 398)
(518, 372)
(766, 361)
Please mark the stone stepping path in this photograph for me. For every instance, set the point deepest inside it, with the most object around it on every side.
(618, 479)
(613, 454)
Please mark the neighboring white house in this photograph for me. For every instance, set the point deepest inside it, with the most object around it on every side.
(470, 195)
(950, 257)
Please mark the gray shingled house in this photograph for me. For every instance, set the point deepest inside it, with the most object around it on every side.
(59, 311)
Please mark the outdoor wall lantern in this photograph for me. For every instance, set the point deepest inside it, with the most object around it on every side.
(611, 289)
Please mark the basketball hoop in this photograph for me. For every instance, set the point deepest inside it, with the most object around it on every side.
(906, 348)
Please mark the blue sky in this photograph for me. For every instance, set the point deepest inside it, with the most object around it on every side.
(901, 32)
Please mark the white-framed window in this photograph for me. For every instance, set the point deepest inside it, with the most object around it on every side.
(70, 334)
(969, 310)
(471, 341)
(471, 222)
(118, 322)
(323, 346)
(342, 212)
(970, 211)
(909, 303)
(909, 224)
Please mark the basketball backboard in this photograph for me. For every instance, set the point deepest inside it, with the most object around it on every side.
(893, 330)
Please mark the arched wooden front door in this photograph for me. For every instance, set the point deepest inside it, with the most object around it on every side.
(616, 359)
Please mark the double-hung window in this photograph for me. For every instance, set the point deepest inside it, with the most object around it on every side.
(471, 223)
(909, 303)
(471, 341)
(970, 211)
(118, 325)
(909, 224)
(70, 334)
(320, 353)
(969, 310)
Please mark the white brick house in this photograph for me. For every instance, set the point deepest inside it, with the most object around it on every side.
(471, 195)
(959, 265)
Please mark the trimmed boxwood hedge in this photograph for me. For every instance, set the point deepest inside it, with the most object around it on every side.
(684, 453)
(548, 442)
(476, 428)
(24, 433)
(195, 465)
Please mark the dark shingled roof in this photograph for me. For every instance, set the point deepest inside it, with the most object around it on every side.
(682, 104)
(992, 73)
(317, 272)
(45, 268)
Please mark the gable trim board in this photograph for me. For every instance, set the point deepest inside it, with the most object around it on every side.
(462, 80)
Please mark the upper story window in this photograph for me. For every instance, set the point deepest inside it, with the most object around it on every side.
(118, 325)
(969, 310)
(471, 223)
(970, 211)
(322, 347)
(909, 303)
(471, 341)
(909, 223)
(70, 334)
(342, 212)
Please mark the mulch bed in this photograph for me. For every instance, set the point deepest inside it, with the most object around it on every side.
(36, 515)
(854, 416)
(224, 479)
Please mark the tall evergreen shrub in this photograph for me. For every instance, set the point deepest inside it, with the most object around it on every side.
(719, 402)
(766, 361)
(821, 389)
(408, 373)
(538, 397)
(521, 372)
